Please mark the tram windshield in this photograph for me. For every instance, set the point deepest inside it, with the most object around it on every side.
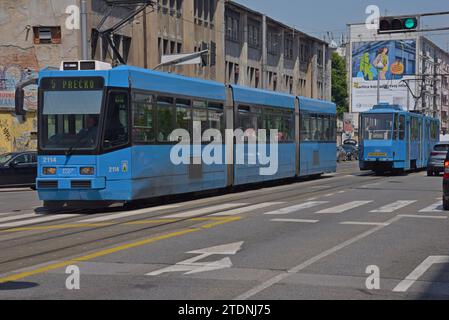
(70, 119)
(70, 110)
(377, 126)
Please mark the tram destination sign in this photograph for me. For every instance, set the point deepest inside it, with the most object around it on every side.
(72, 83)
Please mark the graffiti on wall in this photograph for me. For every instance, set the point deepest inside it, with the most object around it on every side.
(16, 135)
(15, 67)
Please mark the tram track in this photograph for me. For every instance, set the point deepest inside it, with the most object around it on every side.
(28, 259)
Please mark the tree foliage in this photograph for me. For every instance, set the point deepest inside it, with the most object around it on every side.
(339, 84)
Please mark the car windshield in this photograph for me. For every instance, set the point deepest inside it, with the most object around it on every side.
(6, 157)
(70, 119)
(441, 147)
(377, 126)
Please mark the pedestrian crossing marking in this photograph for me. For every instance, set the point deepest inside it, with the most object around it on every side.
(389, 208)
(238, 211)
(127, 214)
(298, 207)
(296, 220)
(436, 207)
(38, 220)
(210, 209)
(345, 207)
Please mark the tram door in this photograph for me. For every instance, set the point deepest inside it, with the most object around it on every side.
(407, 143)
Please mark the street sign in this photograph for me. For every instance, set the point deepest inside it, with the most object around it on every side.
(192, 266)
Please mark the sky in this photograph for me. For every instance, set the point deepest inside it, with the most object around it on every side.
(317, 17)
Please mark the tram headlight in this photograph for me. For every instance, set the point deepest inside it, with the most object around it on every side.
(49, 171)
(87, 171)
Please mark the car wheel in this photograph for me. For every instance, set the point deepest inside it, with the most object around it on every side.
(445, 204)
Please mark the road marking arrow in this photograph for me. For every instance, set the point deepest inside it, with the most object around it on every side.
(192, 266)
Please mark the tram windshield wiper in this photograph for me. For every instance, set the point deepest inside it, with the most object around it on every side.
(77, 143)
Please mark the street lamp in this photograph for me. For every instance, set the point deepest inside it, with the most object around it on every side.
(379, 67)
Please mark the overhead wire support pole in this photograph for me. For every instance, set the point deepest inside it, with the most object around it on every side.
(107, 34)
(84, 41)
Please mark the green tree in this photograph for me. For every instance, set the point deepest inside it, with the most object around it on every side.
(339, 84)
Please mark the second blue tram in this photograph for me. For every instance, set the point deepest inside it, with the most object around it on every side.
(104, 135)
(395, 140)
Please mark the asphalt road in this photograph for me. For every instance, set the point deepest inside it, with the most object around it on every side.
(312, 239)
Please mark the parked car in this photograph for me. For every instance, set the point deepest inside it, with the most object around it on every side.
(18, 169)
(352, 152)
(435, 165)
(341, 154)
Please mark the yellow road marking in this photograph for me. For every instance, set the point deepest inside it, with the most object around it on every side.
(101, 253)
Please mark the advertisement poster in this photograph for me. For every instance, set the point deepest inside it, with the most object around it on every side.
(390, 61)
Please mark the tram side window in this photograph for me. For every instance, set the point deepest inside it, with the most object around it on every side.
(183, 114)
(401, 127)
(116, 133)
(281, 120)
(216, 117)
(326, 135)
(318, 128)
(305, 127)
(165, 117)
(414, 129)
(249, 120)
(143, 129)
(289, 126)
(200, 114)
(315, 128)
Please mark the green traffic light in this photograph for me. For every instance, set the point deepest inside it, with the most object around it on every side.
(410, 23)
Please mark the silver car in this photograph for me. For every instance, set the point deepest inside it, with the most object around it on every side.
(437, 157)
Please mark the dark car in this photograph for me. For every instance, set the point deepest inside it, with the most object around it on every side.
(352, 152)
(435, 164)
(18, 169)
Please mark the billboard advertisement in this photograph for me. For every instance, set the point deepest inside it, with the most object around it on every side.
(391, 61)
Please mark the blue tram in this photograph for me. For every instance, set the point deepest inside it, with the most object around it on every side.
(395, 140)
(106, 134)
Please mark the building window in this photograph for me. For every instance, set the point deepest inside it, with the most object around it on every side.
(172, 7)
(232, 28)
(254, 35)
(273, 43)
(47, 35)
(288, 48)
(320, 57)
(204, 11)
(304, 50)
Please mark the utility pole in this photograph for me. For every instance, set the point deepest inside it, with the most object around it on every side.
(84, 43)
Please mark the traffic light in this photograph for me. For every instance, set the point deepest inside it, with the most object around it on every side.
(397, 24)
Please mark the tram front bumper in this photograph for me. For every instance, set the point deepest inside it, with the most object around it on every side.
(96, 183)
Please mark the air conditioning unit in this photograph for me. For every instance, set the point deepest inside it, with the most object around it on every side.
(85, 65)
